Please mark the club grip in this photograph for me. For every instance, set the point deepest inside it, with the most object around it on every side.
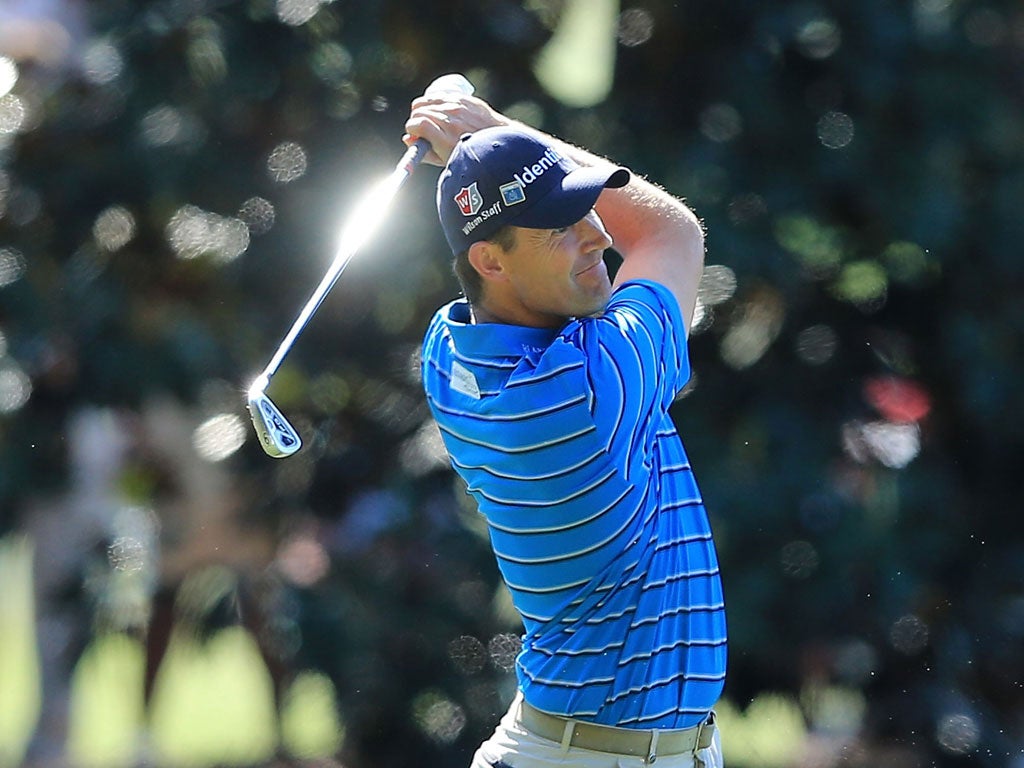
(453, 83)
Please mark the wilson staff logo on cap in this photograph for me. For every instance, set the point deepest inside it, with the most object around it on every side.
(469, 200)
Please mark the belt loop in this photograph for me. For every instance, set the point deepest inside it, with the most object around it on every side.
(700, 732)
(570, 726)
(652, 753)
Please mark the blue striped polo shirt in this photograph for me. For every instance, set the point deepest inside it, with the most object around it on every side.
(564, 439)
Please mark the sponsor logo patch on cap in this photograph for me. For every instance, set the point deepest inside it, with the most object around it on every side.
(469, 200)
(512, 193)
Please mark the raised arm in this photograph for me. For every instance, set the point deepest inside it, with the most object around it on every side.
(657, 235)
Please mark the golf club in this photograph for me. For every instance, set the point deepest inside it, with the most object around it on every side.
(277, 437)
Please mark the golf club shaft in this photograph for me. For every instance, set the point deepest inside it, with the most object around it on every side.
(373, 205)
(379, 198)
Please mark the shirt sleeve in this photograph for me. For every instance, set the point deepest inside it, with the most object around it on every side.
(636, 363)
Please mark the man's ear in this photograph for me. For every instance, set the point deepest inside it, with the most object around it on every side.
(486, 258)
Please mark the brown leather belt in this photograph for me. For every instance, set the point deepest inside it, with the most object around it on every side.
(619, 741)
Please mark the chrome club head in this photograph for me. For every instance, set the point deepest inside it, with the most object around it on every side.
(277, 437)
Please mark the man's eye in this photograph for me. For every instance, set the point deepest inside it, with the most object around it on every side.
(561, 230)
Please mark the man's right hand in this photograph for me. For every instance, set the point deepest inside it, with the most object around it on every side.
(443, 118)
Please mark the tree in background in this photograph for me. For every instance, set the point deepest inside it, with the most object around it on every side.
(171, 174)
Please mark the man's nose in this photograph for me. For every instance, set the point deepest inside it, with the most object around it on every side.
(592, 234)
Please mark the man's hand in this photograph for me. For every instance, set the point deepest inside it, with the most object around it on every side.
(442, 119)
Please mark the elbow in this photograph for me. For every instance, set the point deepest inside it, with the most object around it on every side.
(693, 239)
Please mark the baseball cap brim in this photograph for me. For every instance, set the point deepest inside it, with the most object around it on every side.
(572, 198)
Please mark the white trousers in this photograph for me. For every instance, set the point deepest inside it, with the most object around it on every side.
(512, 746)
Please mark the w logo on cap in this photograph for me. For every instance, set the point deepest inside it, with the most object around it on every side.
(469, 200)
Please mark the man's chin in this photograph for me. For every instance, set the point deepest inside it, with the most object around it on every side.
(597, 308)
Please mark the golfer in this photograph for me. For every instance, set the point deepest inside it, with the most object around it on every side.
(551, 385)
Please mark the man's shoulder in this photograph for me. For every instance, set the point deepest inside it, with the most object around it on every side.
(648, 293)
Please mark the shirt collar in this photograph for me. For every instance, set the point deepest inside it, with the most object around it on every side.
(493, 339)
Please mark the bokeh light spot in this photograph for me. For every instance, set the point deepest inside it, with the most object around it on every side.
(467, 654)
(757, 325)
(102, 63)
(219, 437)
(636, 27)
(344, 102)
(503, 650)
(169, 126)
(8, 75)
(440, 718)
(717, 285)
(15, 388)
(818, 247)
(932, 17)
(862, 282)
(528, 111)
(193, 232)
(816, 345)
(330, 393)
(127, 554)
(898, 399)
(207, 62)
(258, 214)
(837, 711)
(295, 13)
(24, 205)
(12, 266)
(5, 189)
(958, 734)
(892, 445)
(909, 635)
(12, 113)
(114, 228)
(161, 125)
(819, 38)
(287, 162)
(721, 123)
(331, 63)
(906, 262)
(799, 559)
(303, 560)
(835, 129)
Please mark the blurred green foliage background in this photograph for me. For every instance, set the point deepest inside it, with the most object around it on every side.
(173, 174)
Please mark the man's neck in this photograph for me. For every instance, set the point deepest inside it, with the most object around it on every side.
(480, 314)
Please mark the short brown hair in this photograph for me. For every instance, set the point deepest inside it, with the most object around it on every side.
(470, 280)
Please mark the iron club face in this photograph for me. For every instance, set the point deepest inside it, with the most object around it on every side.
(277, 437)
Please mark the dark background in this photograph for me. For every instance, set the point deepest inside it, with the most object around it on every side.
(854, 419)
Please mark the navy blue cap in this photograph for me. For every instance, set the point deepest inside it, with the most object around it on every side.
(499, 176)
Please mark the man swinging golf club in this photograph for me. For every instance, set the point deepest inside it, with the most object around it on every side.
(551, 385)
